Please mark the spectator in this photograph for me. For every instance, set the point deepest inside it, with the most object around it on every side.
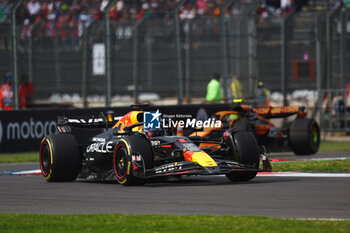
(25, 92)
(189, 12)
(202, 6)
(4, 10)
(286, 5)
(73, 27)
(236, 89)
(339, 106)
(61, 27)
(262, 95)
(6, 100)
(214, 90)
(33, 8)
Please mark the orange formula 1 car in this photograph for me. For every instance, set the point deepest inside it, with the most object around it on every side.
(302, 136)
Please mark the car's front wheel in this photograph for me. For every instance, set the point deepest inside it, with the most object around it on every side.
(127, 147)
(60, 159)
(246, 152)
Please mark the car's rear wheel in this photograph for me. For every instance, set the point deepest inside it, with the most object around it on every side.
(304, 136)
(60, 158)
(246, 152)
(121, 159)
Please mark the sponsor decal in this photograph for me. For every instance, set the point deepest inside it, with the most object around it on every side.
(98, 140)
(155, 142)
(90, 121)
(191, 147)
(29, 129)
(100, 147)
(151, 120)
(64, 129)
(136, 158)
(169, 168)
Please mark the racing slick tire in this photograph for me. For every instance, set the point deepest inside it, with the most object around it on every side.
(241, 125)
(123, 150)
(60, 158)
(304, 136)
(247, 153)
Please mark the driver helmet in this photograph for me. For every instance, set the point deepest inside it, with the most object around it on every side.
(153, 133)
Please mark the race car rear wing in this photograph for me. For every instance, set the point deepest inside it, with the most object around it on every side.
(84, 129)
(283, 111)
(91, 123)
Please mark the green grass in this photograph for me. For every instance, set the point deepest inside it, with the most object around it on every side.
(162, 223)
(313, 166)
(329, 146)
(326, 146)
(19, 157)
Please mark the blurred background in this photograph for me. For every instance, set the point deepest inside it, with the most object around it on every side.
(96, 53)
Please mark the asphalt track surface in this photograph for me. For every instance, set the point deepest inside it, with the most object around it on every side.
(295, 197)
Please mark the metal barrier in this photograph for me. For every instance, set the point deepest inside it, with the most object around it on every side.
(334, 111)
(268, 48)
(306, 50)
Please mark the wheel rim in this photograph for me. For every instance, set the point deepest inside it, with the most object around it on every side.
(315, 136)
(45, 159)
(120, 161)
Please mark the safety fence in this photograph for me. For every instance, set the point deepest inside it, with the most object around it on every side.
(23, 130)
(334, 110)
(176, 58)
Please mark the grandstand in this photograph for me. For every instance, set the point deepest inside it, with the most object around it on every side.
(50, 44)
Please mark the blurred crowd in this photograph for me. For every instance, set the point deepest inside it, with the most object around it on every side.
(66, 19)
(73, 11)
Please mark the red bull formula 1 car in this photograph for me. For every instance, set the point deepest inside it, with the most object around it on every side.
(302, 136)
(125, 151)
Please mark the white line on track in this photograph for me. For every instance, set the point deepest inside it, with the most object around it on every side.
(322, 219)
(324, 159)
(303, 174)
(302, 160)
(263, 174)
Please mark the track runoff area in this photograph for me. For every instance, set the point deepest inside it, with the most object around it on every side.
(263, 174)
(276, 194)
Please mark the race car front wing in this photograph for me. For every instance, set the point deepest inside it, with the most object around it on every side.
(192, 168)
